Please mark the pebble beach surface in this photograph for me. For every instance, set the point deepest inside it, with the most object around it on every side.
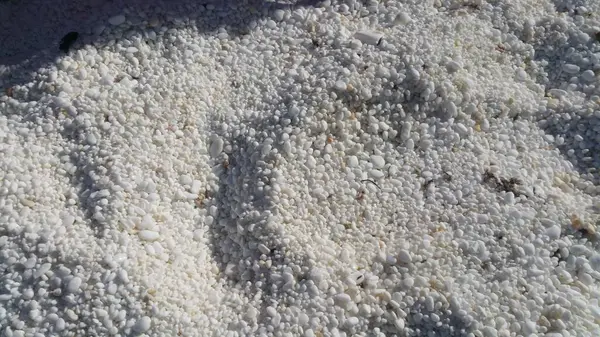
(304, 168)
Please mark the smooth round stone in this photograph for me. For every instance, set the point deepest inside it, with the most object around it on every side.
(271, 311)
(34, 314)
(553, 232)
(402, 19)
(529, 249)
(28, 294)
(595, 262)
(488, 331)
(216, 147)
(74, 284)
(147, 222)
(303, 319)
(578, 250)
(68, 220)
(186, 180)
(376, 174)
(352, 321)
(117, 20)
(251, 313)
(528, 328)
(311, 162)
(342, 299)
(404, 256)
(143, 324)
(570, 68)
(588, 75)
(30, 263)
(378, 161)
(196, 187)
(147, 235)
(278, 14)
(352, 161)
(60, 324)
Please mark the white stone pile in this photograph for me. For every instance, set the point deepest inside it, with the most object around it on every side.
(344, 168)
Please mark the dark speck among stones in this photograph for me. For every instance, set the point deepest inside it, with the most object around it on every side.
(67, 41)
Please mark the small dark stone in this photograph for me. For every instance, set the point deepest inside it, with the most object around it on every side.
(67, 41)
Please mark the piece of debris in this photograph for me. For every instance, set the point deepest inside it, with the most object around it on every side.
(502, 184)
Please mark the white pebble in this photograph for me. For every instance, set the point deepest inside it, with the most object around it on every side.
(60, 324)
(352, 161)
(196, 187)
(34, 314)
(271, 311)
(529, 327)
(368, 37)
(553, 232)
(352, 321)
(147, 235)
(529, 249)
(143, 324)
(461, 129)
(74, 284)
(451, 109)
(278, 14)
(216, 147)
(402, 19)
(263, 249)
(404, 256)
(452, 66)
(578, 250)
(588, 75)
(489, 331)
(251, 313)
(570, 68)
(42, 270)
(406, 129)
(340, 85)
(117, 20)
(376, 174)
(68, 220)
(378, 161)
(342, 300)
(147, 222)
(595, 262)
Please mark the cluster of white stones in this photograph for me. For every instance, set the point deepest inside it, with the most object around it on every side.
(347, 168)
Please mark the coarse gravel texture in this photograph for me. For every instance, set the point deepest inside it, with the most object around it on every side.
(304, 168)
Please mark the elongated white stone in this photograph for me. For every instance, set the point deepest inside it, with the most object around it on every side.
(147, 235)
(369, 37)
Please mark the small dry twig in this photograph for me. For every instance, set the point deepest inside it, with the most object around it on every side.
(370, 181)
